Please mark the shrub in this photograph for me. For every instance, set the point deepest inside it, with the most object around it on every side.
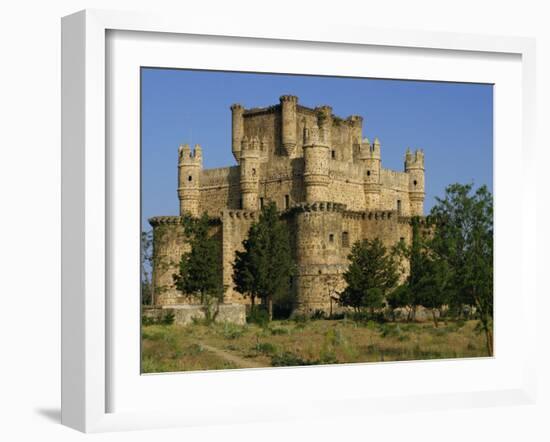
(258, 316)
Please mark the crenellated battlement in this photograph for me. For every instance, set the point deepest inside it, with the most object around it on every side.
(318, 206)
(414, 160)
(188, 156)
(241, 214)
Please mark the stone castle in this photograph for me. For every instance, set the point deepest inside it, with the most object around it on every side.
(326, 180)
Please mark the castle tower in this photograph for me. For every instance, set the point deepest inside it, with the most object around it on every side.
(189, 169)
(355, 123)
(318, 230)
(325, 121)
(250, 172)
(237, 130)
(369, 156)
(288, 123)
(414, 167)
(316, 159)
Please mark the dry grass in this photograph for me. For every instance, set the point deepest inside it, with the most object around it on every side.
(172, 348)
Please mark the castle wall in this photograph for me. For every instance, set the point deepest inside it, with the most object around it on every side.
(220, 190)
(395, 186)
(169, 243)
(235, 227)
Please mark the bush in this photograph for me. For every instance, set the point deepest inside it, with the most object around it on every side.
(390, 330)
(258, 316)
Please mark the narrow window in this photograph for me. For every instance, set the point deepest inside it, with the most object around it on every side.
(333, 154)
(414, 182)
(398, 206)
(261, 202)
(368, 172)
(331, 237)
(189, 178)
(287, 201)
(240, 203)
(253, 172)
(345, 239)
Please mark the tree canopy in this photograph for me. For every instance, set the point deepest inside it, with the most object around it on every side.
(263, 269)
(372, 272)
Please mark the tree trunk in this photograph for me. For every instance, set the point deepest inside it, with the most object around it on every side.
(435, 317)
(270, 307)
(489, 338)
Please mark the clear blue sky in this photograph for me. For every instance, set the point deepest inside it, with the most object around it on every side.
(452, 122)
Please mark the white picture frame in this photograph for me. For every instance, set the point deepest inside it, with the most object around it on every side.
(87, 355)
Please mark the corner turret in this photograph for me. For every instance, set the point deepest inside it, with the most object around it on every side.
(316, 159)
(288, 123)
(189, 169)
(250, 172)
(370, 157)
(414, 167)
(237, 130)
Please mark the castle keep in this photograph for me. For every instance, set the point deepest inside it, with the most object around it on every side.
(326, 180)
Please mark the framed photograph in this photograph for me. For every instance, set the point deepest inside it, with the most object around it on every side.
(260, 224)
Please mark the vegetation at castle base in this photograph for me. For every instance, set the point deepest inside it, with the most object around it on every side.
(304, 342)
(372, 272)
(264, 268)
(464, 239)
(199, 269)
(451, 262)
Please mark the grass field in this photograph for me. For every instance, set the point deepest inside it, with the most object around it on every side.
(287, 343)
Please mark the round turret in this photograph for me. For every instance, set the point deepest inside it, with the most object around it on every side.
(189, 169)
(316, 166)
(288, 123)
(237, 130)
(250, 172)
(414, 167)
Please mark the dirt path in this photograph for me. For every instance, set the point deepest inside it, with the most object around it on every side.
(234, 359)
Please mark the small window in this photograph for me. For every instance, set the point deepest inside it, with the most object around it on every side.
(331, 237)
(345, 239)
(253, 172)
(261, 203)
(333, 154)
(368, 172)
(287, 201)
(240, 203)
(402, 239)
(398, 206)
(415, 182)
(189, 178)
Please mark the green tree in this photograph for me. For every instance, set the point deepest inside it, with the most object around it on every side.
(146, 268)
(200, 269)
(372, 272)
(264, 268)
(433, 287)
(463, 236)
